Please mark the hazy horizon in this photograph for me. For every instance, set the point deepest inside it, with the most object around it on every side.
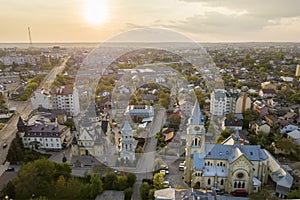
(98, 20)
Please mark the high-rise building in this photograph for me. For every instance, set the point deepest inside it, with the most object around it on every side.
(222, 102)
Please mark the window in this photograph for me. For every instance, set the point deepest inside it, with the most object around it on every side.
(208, 181)
(222, 182)
(235, 184)
(240, 175)
(239, 185)
(243, 185)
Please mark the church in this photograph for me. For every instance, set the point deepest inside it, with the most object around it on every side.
(229, 166)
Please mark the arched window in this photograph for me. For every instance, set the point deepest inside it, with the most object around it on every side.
(208, 181)
(239, 185)
(221, 163)
(243, 185)
(222, 182)
(218, 164)
(208, 163)
(126, 146)
(234, 185)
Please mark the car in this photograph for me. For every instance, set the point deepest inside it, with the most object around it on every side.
(4, 145)
(218, 191)
(164, 167)
(181, 166)
(164, 171)
(239, 193)
(10, 169)
(166, 183)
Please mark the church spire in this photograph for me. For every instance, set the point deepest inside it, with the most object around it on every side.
(197, 117)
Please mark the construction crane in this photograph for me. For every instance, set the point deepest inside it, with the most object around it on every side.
(30, 41)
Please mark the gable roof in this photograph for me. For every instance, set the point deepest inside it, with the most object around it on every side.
(295, 134)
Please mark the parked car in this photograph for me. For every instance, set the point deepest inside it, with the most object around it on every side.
(10, 169)
(239, 193)
(4, 145)
(164, 171)
(181, 166)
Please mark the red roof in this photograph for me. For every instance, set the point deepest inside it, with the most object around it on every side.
(268, 91)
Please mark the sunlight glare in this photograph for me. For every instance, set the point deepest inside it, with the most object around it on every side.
(95, 11)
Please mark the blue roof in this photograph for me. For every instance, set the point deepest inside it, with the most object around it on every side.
(219, 151)
(126, 130)
(198, 161)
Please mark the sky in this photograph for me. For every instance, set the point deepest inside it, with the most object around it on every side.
(99, 20)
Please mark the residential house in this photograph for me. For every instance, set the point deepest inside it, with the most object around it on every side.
(268, 85)
(288, 128)
(232, 124)
(267, 93)
(290, 116)
(260, 127)
(260, 108)
(271, 120)
(294, 136)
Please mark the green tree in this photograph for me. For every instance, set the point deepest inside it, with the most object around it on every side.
(110, 180)
(95, 186)
(144, 190)
(158, 181)
(131, 178)
(294, 194)
(128, 193)
(174, 120)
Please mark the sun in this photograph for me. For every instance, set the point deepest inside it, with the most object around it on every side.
(95, 11)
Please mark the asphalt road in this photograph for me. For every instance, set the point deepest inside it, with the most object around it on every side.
(8, 133)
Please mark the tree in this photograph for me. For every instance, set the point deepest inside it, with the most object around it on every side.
(174, 120)
(95, 186)
(35, 178)
(109, 180)
(158, 181)
(294, 194)
(131, 178)
(144, 190)
(128, 193)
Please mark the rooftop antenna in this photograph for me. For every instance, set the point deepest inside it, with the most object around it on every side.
(30, 41)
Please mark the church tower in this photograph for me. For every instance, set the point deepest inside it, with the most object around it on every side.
(128, 143)
(195, 140)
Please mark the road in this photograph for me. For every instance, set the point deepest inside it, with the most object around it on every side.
(145, 165)
(8, 133)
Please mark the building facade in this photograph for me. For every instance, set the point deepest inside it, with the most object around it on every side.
(63, 98)
(222, 102)
(127, 143)
(41, 131)
(229, 166)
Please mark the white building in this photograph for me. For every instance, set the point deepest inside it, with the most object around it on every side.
(222, 102)
(41, 131)
(63, 98)
(41, 99)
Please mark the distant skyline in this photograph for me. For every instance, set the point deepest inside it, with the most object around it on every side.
(201, 20)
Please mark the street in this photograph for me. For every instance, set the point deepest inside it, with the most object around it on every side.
(24, 108)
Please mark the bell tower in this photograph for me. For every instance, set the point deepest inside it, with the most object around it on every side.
(195, 140)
